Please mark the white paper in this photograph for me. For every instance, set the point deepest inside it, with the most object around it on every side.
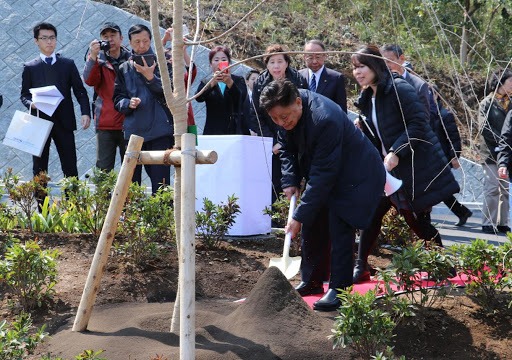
(46, 98)
(243, 168)
(27, 133)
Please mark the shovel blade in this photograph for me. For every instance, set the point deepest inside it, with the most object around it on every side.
(288, 266)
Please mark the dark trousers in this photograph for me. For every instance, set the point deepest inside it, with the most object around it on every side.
(456, 207)
(420, 223)
(276, 177)
(107, 143)
(316, 250)
(159, 174)
(64, 141)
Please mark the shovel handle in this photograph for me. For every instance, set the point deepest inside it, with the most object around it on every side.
(288, 236)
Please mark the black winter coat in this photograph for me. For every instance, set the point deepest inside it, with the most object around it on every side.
(447, 132)
(505, 154)
(223, 111)
(265, 126)
(427, 180)
(343, 170)
(491, 117)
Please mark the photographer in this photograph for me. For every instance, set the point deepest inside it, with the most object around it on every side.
(105, 57)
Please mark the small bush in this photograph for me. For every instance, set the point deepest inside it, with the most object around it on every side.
(414, 265)
(279, 211)
(146, 220)
(364, 324)
(30, 273)
(215, 220)
(16, 342)
(488, 268)
(395, 231)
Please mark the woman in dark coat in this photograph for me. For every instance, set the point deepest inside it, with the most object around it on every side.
(396, 123)
(224, 96)
(278, 67)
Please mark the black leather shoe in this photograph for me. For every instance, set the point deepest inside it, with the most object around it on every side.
(310, 288)
(488, 229)
(503, 229)
(464, 218)
(329, 302)
(361, 272)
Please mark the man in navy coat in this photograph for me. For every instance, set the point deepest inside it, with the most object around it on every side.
(321, 79)
(47, 69)
(344, 178)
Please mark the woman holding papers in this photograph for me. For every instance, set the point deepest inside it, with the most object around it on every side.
(395, 123)
(50, 69)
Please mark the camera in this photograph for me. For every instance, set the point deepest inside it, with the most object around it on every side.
(104, 45)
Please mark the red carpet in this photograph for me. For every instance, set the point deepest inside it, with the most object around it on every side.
(459, 280)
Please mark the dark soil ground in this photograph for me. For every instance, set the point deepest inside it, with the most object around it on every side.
(131, 317)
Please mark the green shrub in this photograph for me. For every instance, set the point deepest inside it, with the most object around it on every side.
(85, 355)
(412, 266)
(146, 220)
(279, 211)
(16, 340)
(87, 201)
(395, 231)
(365, 323)
(30, 273)
(487, 267)
(215, 220)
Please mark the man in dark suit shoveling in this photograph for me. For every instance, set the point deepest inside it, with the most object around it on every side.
(344, 178)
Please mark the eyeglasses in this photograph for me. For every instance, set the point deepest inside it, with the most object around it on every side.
(47, 38)
(316, 57)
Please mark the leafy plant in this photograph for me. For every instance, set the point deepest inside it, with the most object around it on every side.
(364, 324)
(49, 219)
(487, 267)
(30, 273)
(16, 340)
(214, 221)
(24, 195)
(279, 211)
(85, 355)
(413, 266)
(146, 219)
(87, 201)
(395, 231)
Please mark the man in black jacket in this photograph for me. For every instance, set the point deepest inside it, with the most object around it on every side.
(344, 179)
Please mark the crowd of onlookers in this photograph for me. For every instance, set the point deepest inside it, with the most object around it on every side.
(402, 123)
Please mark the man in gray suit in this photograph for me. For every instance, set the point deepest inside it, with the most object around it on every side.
(322, 80)
(395, 60)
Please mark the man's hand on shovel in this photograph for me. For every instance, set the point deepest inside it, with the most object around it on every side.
(293, 226)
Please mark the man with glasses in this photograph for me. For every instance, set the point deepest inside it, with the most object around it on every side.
(100, 70)
(48, 69)
(322, 80)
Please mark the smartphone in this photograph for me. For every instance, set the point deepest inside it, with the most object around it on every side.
(150, 59)
(223, 65)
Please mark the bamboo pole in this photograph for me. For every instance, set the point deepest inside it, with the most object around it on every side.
(187, 253)
(174, 157)
(108, 231)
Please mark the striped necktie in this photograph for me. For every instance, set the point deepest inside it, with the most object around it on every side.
(312, 84)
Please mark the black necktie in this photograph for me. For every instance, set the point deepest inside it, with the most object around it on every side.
(48, 60)
(312, 84)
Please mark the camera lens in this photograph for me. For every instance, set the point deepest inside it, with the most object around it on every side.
(104, 45)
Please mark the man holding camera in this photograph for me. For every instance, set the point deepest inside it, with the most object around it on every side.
(105, 57)
(138, 94)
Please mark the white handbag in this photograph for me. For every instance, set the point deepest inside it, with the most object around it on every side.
(28, 133)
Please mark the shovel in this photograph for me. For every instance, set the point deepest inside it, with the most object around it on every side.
(289, 266)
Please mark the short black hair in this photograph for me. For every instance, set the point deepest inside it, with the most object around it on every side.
(375, 61)
(250, 72)
(44, 26)
(278, 93)
(498, 78)
(137, 29)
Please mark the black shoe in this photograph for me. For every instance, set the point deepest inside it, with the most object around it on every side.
(488, 229)
(311, 288)
(329, 302)
(361, 272)
(503, 229)
(464, 218)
